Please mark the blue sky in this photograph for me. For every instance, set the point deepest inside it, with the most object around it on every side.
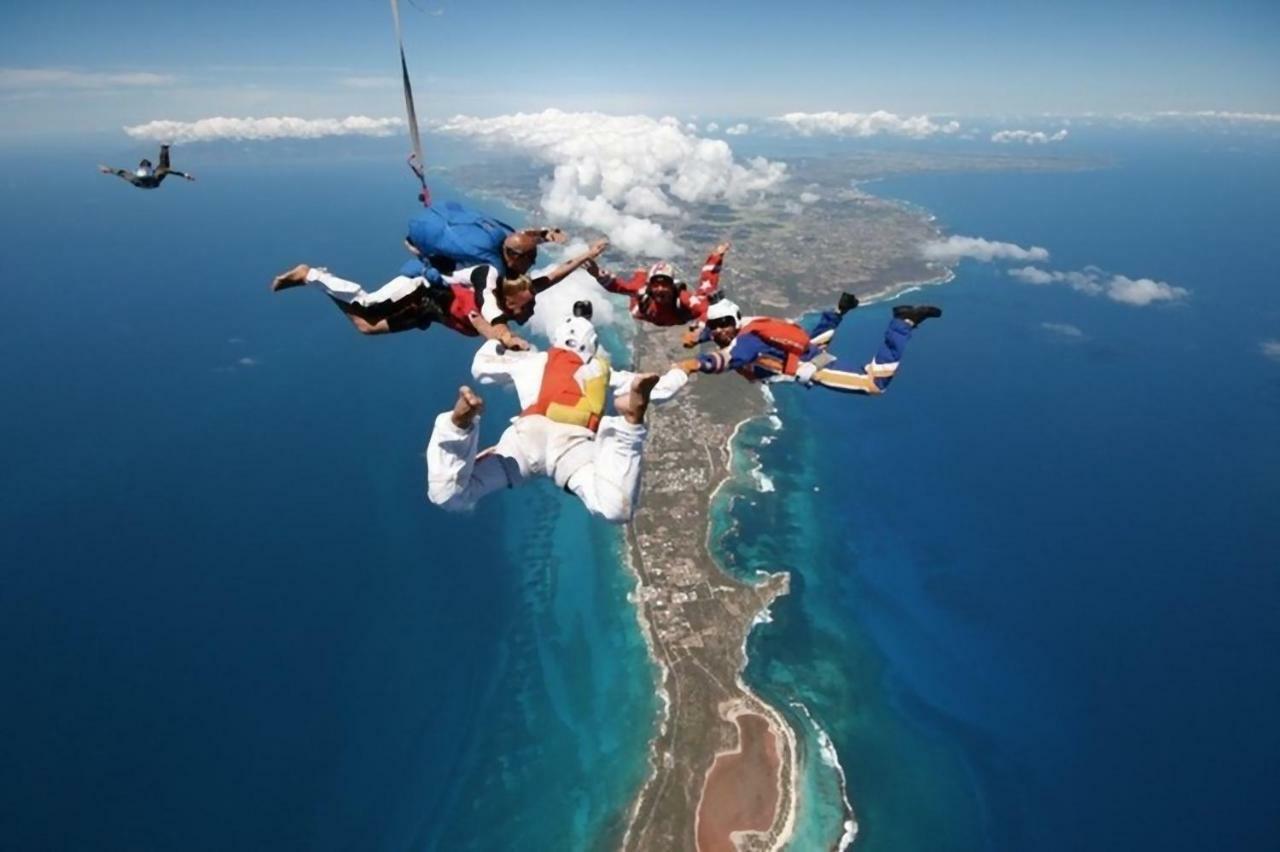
(63, 62)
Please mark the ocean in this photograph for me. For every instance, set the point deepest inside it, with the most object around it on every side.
(231, 620)
(1035, 584)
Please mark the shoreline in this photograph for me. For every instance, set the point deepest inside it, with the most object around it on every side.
(789, 799)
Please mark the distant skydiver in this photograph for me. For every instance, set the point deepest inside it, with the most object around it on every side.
(655, 295)
(561, 431)
(476, 301)
(145, 176)
(773, 350)
(446, 237)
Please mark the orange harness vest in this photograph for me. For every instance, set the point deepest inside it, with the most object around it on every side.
(780, 334)
(562, 399)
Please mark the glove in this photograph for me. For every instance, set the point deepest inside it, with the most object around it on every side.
(805, 372)
(669, 385)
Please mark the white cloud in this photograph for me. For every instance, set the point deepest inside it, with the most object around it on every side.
(1028, 137)
(1263, 117)
(248, 362)
(556, 303)
(1063, 328)
(62, 78)
(1031, 275)
(1271, 348)
(865, 124)
(712, 127)
(275, 127)
(956, 248)
(738, 130)
(1142, 291)
(809, 197)
(1093, 281)
(613, 172)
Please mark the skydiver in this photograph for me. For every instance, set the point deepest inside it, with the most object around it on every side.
(561, 432)
(145, 176)
(477, 301)
(774, 350)
(446, 237)
(657, 298)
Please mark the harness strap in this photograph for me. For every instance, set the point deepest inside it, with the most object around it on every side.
(416, 162)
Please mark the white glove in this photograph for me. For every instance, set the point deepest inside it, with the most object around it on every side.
(669, 385)
(805, 372)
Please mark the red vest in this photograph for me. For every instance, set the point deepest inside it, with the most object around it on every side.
(780, 334)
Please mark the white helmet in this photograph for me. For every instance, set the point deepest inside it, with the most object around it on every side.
(662, 269)
(576, 334)
(724, 309)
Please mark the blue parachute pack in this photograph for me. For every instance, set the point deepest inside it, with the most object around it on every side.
(448, 236)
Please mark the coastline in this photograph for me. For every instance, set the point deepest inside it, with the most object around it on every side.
(750, 701)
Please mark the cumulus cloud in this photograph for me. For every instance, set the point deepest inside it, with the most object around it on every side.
(809, 197)
(1271, 348)
(556, 303)
(865, 124)
(1093, 281)
(738, 130)
(62, 78)
(956, 248)
(614, 172)
(1063, 328)
(274, 127)
(1028, 137)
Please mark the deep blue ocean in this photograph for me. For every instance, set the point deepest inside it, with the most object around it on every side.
(230, 618)
(1035, 585)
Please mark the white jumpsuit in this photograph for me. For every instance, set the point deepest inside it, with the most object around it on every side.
(602, 468)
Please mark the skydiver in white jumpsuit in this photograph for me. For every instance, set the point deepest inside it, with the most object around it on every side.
(561, 431)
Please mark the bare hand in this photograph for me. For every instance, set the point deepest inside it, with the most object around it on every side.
(597, 248)
(516, 343)
(191, 177)
(556, 235)
(106, 170)
(690, 339)
(722, 248)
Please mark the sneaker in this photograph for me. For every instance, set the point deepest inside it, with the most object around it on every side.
(916, 314)
(847, 302)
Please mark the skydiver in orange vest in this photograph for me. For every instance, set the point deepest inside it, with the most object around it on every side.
(773, 350)
(562, 431)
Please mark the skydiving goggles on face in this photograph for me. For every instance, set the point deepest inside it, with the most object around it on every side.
(722, 322)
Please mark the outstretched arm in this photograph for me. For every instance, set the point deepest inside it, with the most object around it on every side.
(497, 331)
(546, 235)
(746, 349)
(709, 278)
(563, 271)
(613, 283)
(120, 173)
(182, 174)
